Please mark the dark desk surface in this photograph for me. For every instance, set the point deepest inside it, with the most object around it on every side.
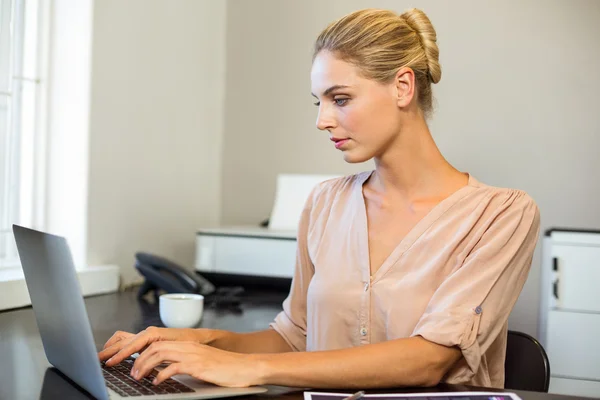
(26, 374)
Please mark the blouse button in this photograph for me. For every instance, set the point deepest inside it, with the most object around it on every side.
(363, 331)
(366, 286)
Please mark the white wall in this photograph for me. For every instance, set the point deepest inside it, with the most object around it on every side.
(156, 128)
(517, 104)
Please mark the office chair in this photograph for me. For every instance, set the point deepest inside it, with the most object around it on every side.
(526, 366)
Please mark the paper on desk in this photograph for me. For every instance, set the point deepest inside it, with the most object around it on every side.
(418, 396)
(290, 196)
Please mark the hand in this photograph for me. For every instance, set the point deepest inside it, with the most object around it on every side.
(123, 344)
(203, 362)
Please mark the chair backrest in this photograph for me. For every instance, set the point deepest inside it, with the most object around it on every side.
(527, 366)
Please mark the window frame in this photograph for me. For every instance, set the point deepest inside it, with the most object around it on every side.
(23, 160)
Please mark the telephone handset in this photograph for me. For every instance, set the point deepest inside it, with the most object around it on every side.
(161, 273)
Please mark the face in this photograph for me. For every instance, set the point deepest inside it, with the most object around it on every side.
(361, 115)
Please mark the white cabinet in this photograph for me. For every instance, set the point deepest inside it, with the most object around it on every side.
(573, 338)
(246, 251)
(574, 387)
(570, 311)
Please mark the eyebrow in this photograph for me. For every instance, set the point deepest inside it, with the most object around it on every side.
(331, 89)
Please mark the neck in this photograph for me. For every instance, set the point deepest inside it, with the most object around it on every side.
(413, 166)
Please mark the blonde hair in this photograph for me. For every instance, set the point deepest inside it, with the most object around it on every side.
(380, 42)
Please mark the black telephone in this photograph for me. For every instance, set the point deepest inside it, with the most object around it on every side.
(164, 274)
(161, 273)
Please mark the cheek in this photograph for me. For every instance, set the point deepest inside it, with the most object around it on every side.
(351, 119)
(373, 120)
(357, 118)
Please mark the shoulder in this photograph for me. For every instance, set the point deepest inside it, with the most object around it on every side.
(325, 195)
(327, 191)
(503, 205)
(503, 197)
(322, 205)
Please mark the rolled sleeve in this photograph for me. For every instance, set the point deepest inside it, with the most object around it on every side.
(458, 328)
(471, 307)
(293, 334)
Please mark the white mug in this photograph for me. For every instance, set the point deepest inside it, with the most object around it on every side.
(181, 310)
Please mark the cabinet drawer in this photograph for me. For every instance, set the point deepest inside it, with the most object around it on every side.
(573, 345)
(574, 387)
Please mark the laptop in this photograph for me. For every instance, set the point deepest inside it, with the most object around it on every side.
(67, 334)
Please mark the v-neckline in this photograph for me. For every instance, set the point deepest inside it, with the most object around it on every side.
(412, 235)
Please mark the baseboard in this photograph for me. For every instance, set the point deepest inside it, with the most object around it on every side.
(93, 280)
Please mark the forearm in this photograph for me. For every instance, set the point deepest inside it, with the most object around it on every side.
(403, 362)
(266, 341)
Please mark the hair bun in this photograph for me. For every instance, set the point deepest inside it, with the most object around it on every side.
(420, 23)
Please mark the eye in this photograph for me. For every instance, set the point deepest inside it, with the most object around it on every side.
(318, 103)
(340, 102)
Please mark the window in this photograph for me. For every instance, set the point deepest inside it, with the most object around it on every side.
(21, 136)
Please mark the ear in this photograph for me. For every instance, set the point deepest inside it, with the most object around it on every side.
(405, 86)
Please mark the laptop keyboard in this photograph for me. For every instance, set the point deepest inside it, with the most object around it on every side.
(118, 379)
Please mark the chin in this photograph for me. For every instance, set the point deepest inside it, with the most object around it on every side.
(354, 157)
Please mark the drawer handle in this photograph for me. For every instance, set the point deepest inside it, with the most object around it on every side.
(555, 289)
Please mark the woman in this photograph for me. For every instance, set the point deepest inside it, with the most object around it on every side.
(405, 275)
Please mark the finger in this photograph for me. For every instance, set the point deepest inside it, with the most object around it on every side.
(127, 348)
(152, 349)
(114, 344)
(117, 337)
(186, 348)
(173, 369)
(149, 363)
(108, 353)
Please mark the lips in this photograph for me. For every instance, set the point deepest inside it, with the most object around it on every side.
(333, 139)
(339, 142)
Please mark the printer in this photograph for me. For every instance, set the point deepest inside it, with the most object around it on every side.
(259, 251)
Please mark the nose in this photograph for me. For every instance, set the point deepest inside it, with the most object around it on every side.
(325, 121)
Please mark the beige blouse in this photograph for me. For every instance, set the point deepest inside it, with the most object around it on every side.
(452, 280)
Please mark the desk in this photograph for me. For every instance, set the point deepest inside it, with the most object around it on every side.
(26, 374)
